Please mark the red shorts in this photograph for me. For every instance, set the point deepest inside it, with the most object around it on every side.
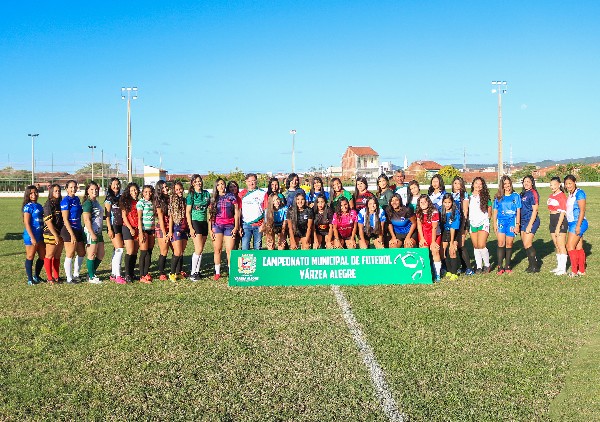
(438, 238)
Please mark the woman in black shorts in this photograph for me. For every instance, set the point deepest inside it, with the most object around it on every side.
(129, 213)
(196, 211)
(115, 228)
(161, 210)
(323, 226)
(300, 222)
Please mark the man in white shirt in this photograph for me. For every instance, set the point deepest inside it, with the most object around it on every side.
(252, 212)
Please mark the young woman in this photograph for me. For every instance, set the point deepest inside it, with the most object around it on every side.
(300, 223)
(161, 209)
(338, 192)
(33, 235)
(384, 193)
(430, 234)
(316, 190)
(197, 203)
(436, 191)
(361, 194)
(93, 219)
(371, 224)
(461, 199)
(480, 208)
(578, 224)
(273, 188)
(115, 228)
(53, 225)
(275, 222)
(451, 223)
(178, 231)
(224, 223)
(412, 197)
(145, 208)
(345, 223)
(402, 224)
(530, 220)
(131, 231)
(506, 216)
(292, 185)
(557, 206)
(323, 234)
(72, 232)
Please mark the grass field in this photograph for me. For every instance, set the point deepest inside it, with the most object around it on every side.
(519, 347)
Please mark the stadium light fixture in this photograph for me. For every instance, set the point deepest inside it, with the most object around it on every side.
(500, 90)
(92, 147)
(293, 133)
(33, 136)
(126, 93)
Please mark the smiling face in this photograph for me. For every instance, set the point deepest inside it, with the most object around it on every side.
(372, 205)
(71, 189)
(134, 192)
(569, 185)
(275, 186)
(147, 194)
(527, 183)
(554, 186)
(234, 188)
(456, 186)
(317, 185)
(251, 183)
(300, 202)
(435, 183)
(277, 202)
(399, 179)
(382, 183)
(507, 186)
(395, 203)
(33, 195)
(92, 191)
(178, 190)
(221, 187)
(414, 190)
(197, 184)
(477, 186)
(448, 204)
(423, 204)
(321, 203)
(360, 186)
(344, 207)
(336, 185)
(55, 192)
(115, 186)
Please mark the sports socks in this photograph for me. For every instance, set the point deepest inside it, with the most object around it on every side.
(55, 267)
(77, 266)
(162, 259)
(48, 268)
(501, 254)
(508, 256)
(116, 262)
(29, 269)
(438, 267)
(478, 258)
(217, 268)
(485, 255)
(90, 268)
(196, 262)
(69, 268)
(142, 264)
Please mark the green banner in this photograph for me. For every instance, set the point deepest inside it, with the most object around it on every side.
(330, 266)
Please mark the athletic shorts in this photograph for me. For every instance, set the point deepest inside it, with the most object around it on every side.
(446, 236)
(224, 229)
(179, 233)
(564, 227)
(277, 229)
(534, 227)
(582, 229)
(117, 228)
(38, 234)
(200, 227)
(89, 241)
(127, 235)
(438, 240)
(64, 233)
(49, 238)
(301, 232)
(402, 236)
(371, 236)
(484, 227)
(158, 232)
(506, 227)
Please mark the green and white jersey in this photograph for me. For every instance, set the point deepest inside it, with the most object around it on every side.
(97, 214)
(147, 210)
(199, 202)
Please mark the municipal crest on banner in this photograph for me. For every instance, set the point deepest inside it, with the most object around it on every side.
(247, 264)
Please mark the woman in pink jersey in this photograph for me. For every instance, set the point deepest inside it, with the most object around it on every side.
(223, 223)
(345, 222)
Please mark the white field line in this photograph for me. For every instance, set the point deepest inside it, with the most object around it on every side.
(386, 400)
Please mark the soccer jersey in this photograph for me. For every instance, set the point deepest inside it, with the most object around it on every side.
(403, 192)
(73, 205)
(400, 220)
(458, 200)
(437, 198)
(452, 220)
(199, 202)
(147, 210)
(132, 215)
(361, 200)
(226, 209)
(322, 221)
(427, 225)
(507, 206)
(529, 198)
(384, 198)
(476, 216)
(413, 203)
(291, 196)
(573, 210)
(279, 216)
(557, 202)
(252, 209)
(116, 218)
(302, 222)
(345, 223)
(362, 216)
(37, 218)
(52, 213)
(96, 213)
(312, 197)
(336, 199)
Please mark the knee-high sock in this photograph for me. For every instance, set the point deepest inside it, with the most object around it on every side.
(574, 256)
(531, 257)
(116, 262)
(48, 268)
(217, 268)
(581, 260)
(161, 264)
(478, 258)
(69, 268)
(55, 267)
(90, 268)
(464, 254)
(501, 254)
(132, 262)
(97, 262)
(39, 264)
(77, 266)
(485, 255)
(194, 265)
(29, 269)
(508, 257)
(174, 262)
(147, 262)
(562, 262)
(142, 264)
(438, 267)
(126, 262)
(180, 264)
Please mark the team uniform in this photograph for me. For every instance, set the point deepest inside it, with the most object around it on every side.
(437, 198)
(345, 223)
(529, 198)
(52, 214)
(427, 228)
(557, 204)
(225, 217)
(291, 196)
(384, 198)
(362, 217)
(279, 217)
(311, 198)
(157, 230)
(452, 221)
(336, 199)
(97, 216)
(507, 213)
(199, 201)
(573, 212)
(116, 218)
(323, 222)
(73, 206)
(146, 208)
(464, 221)
(403, 192)
(132, 218)
(400, 221)
(302, 222)
(360, 202)
(36, 222)
(478, 220)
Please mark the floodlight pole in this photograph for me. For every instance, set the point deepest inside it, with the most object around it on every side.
(129, 93)
(33, 136)
(500, 88)
(293, 133)
(92, 147)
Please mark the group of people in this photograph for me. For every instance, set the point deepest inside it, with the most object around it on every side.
(396, 215)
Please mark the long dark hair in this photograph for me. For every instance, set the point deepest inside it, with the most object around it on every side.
(484, 195)
(86, 195)
(294, 211)
(452, 209)
(376, 228)
(54, 201)
(500, 192)
(270, 190)
(312, 185)
(214, 200)
(268, 225)
(192, 190)
(290, 178)
(409, 195)
(325, 217)
(530, 177)
(363, 180)
(111, 196)
(463, 189)
(430, 208)
(560, 186)
(160, 200)
(390, 211)
(441, 182)
(384, 177)
(126, 201)
(28, 191)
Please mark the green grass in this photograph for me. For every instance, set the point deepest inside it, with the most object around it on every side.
(523, 347)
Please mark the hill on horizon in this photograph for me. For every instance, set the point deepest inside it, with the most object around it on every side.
(541, 164)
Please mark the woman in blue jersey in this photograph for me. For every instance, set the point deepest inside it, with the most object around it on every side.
(461, 199)
(33, 235)
(402, 224)
(436, 191)
(72, 232)
(275, 224)
(317, 189)
(506, 216)
(577, 225)
(115, 228)
(451, 223)
(530, 220)
(292, 185)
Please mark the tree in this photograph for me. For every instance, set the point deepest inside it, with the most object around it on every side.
(525, 171)
(448, 173)
(87, 169)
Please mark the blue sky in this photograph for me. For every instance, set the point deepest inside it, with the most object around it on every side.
(222, 83)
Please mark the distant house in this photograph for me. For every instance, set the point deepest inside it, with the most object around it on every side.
(154, 174)
(417, 168)
(488, 176)
(360, 161)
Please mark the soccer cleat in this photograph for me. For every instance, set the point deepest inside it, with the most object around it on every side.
(37, 279)
(145, 280)
(478, 271)
(216, 277)
(112, 278)
(51, 282)
(453, 277)
(149, 277)
(30, 282)
(469, 271)
(163, 277)
(500, 271)
(448, 274)
(95, 280)
(194, 277)
(486, 270)
(173, 277)
(120, 280)
(76, 279)
(572, 275)
(437, 277)
(560, 272)
(128, 279)
(183, 275)
(579, 273)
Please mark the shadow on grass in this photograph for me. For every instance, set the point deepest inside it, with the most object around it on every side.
(13, 236)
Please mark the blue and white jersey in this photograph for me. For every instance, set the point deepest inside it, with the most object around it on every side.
(73, 205)
(458, 201)
(362, 215)
(37, 216)
(529, 198)
(291, 196)
(279, 216)
(507, 206)
(437, 199)
(403, 192)
(312, 197)
(452, 221)
(573, 209)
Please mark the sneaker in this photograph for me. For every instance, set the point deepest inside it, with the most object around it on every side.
(437, 277)
(572, 275)
(163, 277)
(453, 277)
(37, 279)
(145, 280)
(182, 275)
(95, 280)
(195, 277)
(30, 282)
(112, 278)
(50, 282)
(560, 272)
(149, 277)
(216, 277)
(120, 280)
(469, 271)
(70, 281)
(478, 271)
(128, 279)
(76, 279)
(579, 273)
(500, 271)
(486, 270)
(173, 277)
